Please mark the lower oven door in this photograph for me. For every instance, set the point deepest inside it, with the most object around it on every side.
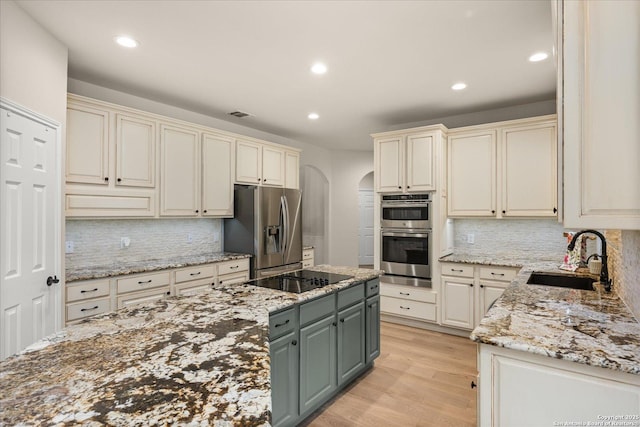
(406, 253)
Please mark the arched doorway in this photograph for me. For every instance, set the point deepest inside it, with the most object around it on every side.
(365, 226)
(315, 212)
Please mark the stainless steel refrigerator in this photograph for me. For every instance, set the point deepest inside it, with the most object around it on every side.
(266, 224)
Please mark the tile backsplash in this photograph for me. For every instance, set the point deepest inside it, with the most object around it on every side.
(97, 242)
(623, 249)
(540, 236)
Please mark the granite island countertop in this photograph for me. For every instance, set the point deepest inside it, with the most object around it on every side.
(529, 318)
(197, 360)
(73, 274)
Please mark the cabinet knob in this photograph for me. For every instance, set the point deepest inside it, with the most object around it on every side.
(197, 211)
(204, 211)
(399, 186)
(106, 179)
(119, 180)
(471, 284)
(555, 210)
(334, 324)
(168, 292)
(294, 342)
(341, 320)
(482, 286)
(408, 187)
(264, 180)
(259, 179)
(504, 212)
(492, 211)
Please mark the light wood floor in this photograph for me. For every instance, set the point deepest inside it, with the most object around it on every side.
(421, 378)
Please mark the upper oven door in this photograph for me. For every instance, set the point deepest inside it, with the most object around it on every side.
(406, 254)
(406, 215)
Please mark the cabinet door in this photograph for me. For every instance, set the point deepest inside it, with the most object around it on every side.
(248, 162)
(389, 159)
(351, 342)
(272, 166)
(180, 187)
(87, 145)
(149, 296)
(372, 336)
(601, 105)
(420, 170)
(472, 174)
(284, 380)
(489, 293)
(318, 355)
(217, 176)
(292, 170)
(135, 151)
(529, 170)
(457, 302)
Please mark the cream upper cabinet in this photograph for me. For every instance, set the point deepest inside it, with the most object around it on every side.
(180, 187)
(472, 173)
(87, 144)
(272, 166)
(506, 169)
(405, 161)
(135, 151)
(600, 95)
(218, 163)
(265, 164)
(292, 170)
(529, 170)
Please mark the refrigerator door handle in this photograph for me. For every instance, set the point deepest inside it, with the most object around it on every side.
(284, 208)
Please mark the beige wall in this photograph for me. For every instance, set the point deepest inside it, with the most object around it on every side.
(33, 64)
(624, 266)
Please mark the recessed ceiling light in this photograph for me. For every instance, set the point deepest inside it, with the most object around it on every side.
(539, 56)
(313, 116)
(318, 68)
(459, 86)
(126, 41)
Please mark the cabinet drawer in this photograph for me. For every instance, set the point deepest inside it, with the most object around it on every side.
(86, 290)
(412, 293)
(140, 283)
(229, 279)
(408, 308)
(192, 287)
(307, 254)
(282, 323)
(234, 266)
(351, 295)
(317, 309)
(195, 273)
(459, 270)
(498, 273)
(307, 263)
(143, 297)
(87, 308)
(372, 287)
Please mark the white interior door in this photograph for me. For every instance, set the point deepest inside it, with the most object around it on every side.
(29, 231)
(365, 230)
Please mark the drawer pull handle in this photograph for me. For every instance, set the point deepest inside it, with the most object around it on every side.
(89, 309)
(370, 306)
(497, 274)
(282, 324)
(373, 288)
(148, 281)
(233, 267)
(405, 308)
(457, 271)
(90, 290)
(405, 293)
(195, 274)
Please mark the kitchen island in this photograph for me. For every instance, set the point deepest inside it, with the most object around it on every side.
(201, 359)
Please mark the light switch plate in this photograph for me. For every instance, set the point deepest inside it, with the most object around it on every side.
(471, 238)
(68, 247)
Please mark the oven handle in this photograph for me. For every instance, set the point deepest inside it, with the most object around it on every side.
(406, 205)
(422, 233)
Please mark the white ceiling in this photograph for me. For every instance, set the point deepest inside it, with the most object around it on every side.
(390, 62)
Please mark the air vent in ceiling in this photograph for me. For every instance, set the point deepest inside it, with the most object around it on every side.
(239, 114)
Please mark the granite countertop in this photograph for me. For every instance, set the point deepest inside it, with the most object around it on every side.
(197, 360)
(529, 318)
(123, 268)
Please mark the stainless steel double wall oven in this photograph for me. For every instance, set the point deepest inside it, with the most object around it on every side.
(405, 221)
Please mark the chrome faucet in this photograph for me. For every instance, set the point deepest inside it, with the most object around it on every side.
(604, 273)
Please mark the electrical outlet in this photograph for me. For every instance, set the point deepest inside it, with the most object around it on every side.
(471, 238)
(125, 242)
(189, 238)
(68, 247)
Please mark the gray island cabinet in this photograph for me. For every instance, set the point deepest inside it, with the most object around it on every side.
(320, 346)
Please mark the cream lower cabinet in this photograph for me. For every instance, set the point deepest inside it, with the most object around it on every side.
(142, 288)
(468, 291)
(408, 301)
(506, 169)
(87, 298)
(235, 271)
(308, 258)
(517, 388)
(191, 280)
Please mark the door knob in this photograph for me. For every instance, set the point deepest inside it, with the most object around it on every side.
(52, 280)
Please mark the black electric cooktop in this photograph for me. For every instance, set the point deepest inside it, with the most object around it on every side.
(300, 281)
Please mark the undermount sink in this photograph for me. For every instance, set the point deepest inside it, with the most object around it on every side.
(561, 280)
